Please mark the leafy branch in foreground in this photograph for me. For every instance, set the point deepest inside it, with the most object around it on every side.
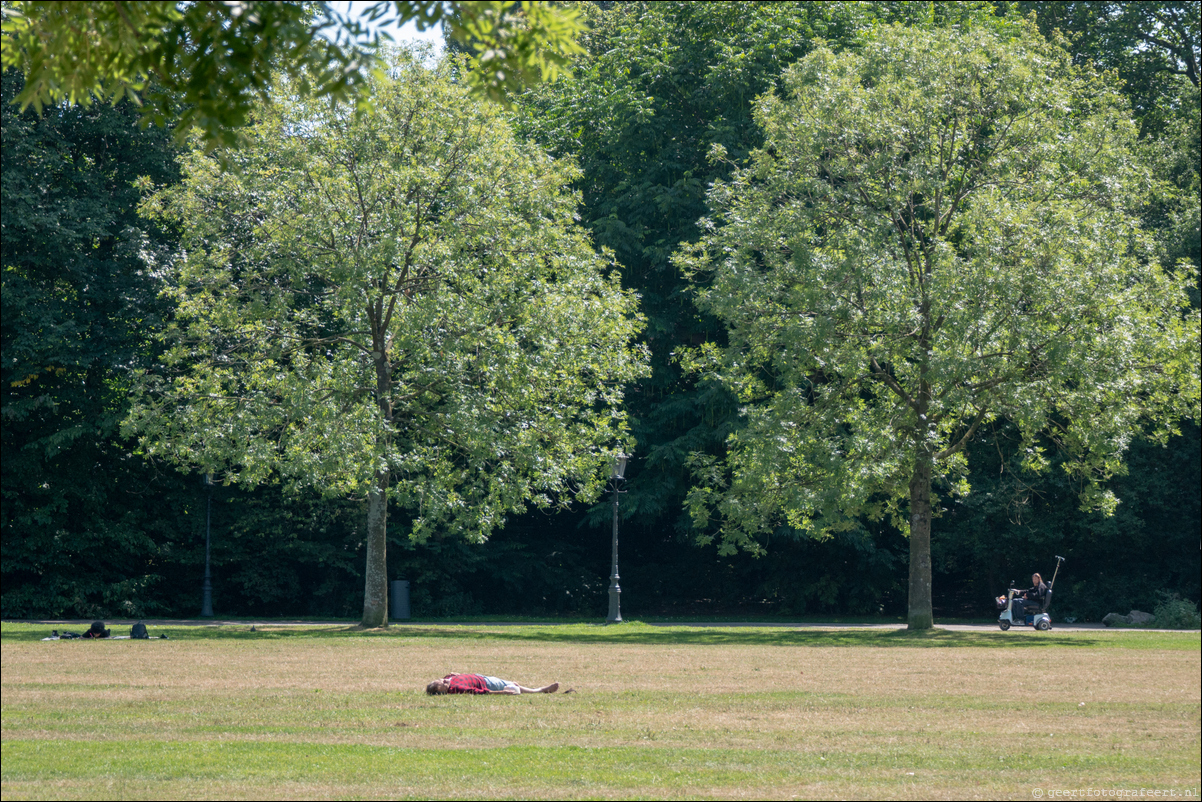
(206, 64)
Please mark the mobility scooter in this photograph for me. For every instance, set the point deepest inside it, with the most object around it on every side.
(1017, 611)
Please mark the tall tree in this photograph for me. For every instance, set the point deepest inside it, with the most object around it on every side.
(939, 232)
(206, 64)
(397, 305)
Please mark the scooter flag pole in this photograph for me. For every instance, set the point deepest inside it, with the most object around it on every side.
(1059, 560)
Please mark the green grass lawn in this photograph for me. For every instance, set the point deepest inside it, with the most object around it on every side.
(655, 712)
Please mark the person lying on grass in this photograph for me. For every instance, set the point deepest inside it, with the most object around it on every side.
(478, 683)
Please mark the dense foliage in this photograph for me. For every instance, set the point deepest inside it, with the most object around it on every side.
(89, 529)
(78, 305)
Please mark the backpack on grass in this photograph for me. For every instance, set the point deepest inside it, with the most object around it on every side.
(138, 632)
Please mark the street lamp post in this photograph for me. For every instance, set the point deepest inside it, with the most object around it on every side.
(617, 477)
(206, 598)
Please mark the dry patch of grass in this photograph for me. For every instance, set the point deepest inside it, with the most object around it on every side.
(347, 716)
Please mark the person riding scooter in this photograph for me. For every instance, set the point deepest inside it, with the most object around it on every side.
(1028, 607)
(1035, 597)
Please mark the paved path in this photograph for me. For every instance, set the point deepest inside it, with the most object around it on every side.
(235, 622)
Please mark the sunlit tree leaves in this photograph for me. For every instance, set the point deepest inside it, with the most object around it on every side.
(397, 305)
(940, 231)
(206, 64)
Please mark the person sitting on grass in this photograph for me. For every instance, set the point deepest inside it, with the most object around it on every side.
(478, 683)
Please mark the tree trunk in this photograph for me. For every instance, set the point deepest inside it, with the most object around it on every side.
(375, 577)
(920, 615)
(375, 592)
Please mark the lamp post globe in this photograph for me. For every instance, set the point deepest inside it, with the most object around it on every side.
(618, 469)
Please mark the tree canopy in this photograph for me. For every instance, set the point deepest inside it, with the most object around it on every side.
(397, 305)
(939, 234)
(206, 64)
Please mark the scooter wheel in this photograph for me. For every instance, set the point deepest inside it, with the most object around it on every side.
(1044, 626)
(1005, 625)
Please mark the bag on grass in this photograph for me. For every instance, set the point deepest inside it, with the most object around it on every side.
(138, 632)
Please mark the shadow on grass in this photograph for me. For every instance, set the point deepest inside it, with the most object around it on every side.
(636, 633)
(686, 636)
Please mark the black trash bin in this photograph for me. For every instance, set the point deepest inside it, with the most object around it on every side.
(398, 600)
